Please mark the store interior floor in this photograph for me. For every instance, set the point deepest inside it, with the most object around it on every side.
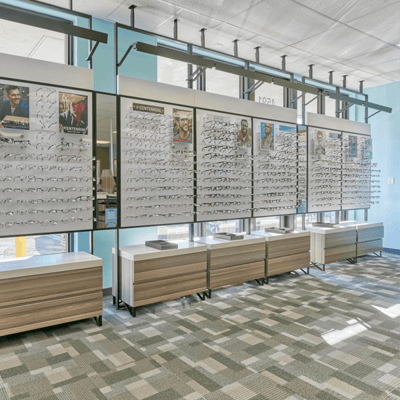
(327, 335)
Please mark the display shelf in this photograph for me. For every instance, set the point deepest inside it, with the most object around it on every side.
(149, 275)
(285, 252)
(157, 163)
(41, 291)
(278, 168)
(234, 262)
(46, 163)
(224, 166)
(330, 245)
(324, 170)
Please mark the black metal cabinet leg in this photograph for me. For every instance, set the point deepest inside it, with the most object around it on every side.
(114, 300)
(323, 267)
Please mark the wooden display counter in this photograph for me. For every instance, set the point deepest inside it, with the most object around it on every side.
(234, 262)
(369, 236)
(148, 275)
(330, 245)
(285, 252)
(41, 291)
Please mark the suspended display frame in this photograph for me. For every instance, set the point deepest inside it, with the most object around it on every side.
(47, 158)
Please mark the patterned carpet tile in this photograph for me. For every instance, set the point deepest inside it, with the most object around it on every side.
(324, 336)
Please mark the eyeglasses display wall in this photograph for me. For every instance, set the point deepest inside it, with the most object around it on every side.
(360, 183)
(157, 163)
(279, 170)
(224, 165)
(325, 158)
(46, 159)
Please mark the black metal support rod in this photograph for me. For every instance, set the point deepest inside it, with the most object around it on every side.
(176, 29)
(89, 57)
(132, 19)
(126, 54)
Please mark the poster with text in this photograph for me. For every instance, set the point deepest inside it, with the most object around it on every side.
(73, 113)
(14, 107)
(353, 146)
(244, 132)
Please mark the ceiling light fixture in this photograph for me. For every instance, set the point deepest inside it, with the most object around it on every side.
(103, 142)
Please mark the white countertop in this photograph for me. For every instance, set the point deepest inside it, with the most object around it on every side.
(38, 265)
(103, 195)
(215, 243)
(141, 252)
(270, 236)
(361, 225)
(324, 230)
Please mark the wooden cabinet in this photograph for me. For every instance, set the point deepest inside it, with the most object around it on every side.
(40, 291)
(369, 236)
(285, 252)
(330, 245)
(148, 275)
(234, 262)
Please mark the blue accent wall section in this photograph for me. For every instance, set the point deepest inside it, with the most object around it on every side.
(137, 65)
(103, 59)
(386, 153)
(103, 242)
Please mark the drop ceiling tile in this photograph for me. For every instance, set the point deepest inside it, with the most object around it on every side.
(221, 10)
(340, 43)
(189, 25)
(383, 23)
(100, 9)
(148, 14)
(376, 81)
(386, 67)
(222, 36)
(50, 49)
(345, 10)
(367, 61)
(394, 75)
(283, 20)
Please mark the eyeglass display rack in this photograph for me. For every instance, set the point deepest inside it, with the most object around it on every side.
(279, 169)
(224, 166)
(157, 163)
(46, 159)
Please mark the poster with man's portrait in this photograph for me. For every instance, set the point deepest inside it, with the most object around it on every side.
(14, 107)
(267, 136)
(244, 132)
(182, 125)
(73, 116)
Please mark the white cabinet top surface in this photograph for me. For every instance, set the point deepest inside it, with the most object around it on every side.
(216, 243)
(45, 264)
(327, 230)
(361, 225)
(142, 252)
(270, 236)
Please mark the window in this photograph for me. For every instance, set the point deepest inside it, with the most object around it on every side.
(174, 232)
(172, 72)
(11, 247)
(268, 222)
(230, 226)
(28, 41)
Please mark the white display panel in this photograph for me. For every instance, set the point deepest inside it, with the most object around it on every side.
(356, 185)
(157, 161)
(46, 163)
(224, 166)
(276, 164)
(324, 170)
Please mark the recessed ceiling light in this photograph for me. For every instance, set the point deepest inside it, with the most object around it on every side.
(219, 45)
(398, 44)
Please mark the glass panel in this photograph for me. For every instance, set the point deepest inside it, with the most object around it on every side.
(222, 83)
(174, 232)
(11, 247)
(106, 161)
(270, 94)
(231, 226)
(31, 42)
(172, 72)
(268, 222)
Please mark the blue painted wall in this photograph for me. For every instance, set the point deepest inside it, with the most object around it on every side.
(138, 65)
(386, 153)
